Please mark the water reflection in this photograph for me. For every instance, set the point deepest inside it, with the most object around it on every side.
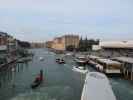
(8, 76)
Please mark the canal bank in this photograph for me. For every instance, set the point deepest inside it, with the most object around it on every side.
(60, 81)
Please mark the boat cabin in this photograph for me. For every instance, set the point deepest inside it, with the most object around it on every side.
(127, 66)
(110, 66)
(81, 61)
(92, 60)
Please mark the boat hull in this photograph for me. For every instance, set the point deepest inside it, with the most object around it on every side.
(35, 85)
(83, 71)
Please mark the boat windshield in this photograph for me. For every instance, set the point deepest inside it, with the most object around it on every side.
(80, 64)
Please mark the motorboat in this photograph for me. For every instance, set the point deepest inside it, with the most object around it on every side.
(109, 67)
(61, 61)
(41, 58)
(81, 59)
(57, 59)
(97, 87)
(69, 54)
(38, 80)
(80, 65)
(80, 69)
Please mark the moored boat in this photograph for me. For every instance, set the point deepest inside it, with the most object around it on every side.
(110, 67)
(81, 59)
(57, 59)
(82, 70)
(61, 61)
(80, 65)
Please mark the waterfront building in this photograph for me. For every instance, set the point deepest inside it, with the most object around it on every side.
(61, 43)
(3, 54)
(49, 44)
(3, 38)
(37, 45)
(12, 48)
(3, 47)
(71, 40)
(96, 48)
(8, 47)
(116, 49)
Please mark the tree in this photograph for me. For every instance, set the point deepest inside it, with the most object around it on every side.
(86, 45)
(81, 45)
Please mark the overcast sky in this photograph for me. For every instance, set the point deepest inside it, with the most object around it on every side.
(41, 20)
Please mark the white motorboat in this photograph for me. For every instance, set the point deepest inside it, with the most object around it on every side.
(80, 69)
(97, 87)
(80, 65)
(69, 54)
(41, 58)
(109, 66)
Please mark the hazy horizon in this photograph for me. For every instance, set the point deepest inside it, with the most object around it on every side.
(42, 20)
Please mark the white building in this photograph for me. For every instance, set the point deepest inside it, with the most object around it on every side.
(117, 48)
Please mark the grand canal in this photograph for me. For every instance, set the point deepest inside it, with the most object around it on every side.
(60, 81)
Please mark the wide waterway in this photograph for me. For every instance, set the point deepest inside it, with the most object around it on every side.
(60, 81)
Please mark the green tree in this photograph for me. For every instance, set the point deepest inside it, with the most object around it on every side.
(86, 45)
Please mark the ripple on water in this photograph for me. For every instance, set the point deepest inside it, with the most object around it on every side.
(47, 93)
(33, 96)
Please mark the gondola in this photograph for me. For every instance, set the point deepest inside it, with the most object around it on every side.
(38, 80)
(35, 84)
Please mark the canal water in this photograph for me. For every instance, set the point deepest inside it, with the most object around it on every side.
(60, 81)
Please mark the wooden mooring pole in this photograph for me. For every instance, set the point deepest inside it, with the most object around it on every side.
(132, 72)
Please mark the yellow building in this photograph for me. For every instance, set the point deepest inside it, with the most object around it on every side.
(58, 44)
(71, 40)
(49, 44)
(61, 43)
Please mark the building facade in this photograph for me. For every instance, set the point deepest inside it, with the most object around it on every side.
(58, 44)
(61, 43)
(8, 47)
(71, 40)
(38, 45)
(117, 49)
(49, 44)
(3, 38)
